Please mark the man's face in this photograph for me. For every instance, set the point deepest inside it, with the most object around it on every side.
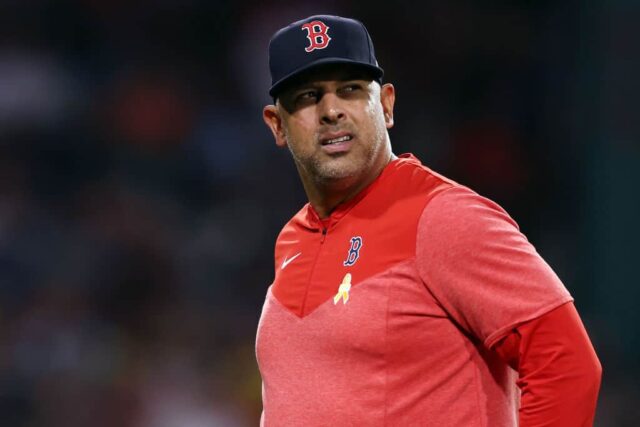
(334, 121)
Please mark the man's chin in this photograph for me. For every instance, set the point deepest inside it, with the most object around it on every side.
(336, 171)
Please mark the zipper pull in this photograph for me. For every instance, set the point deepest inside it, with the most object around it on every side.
(324, 235)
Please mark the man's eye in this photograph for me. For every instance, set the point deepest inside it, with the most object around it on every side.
(311, 94)
(351, 88)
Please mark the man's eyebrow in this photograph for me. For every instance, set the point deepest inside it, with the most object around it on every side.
(305, 86)
(315, 84)
(300, 85)
(356, 79)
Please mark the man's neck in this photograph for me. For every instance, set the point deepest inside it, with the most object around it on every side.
(324, 197)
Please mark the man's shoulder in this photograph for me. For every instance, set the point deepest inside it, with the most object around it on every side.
(446, 201)
(301, 221)
(458, 213)
(416, 176)
(302, 217)
(408, 177)
(409, 165)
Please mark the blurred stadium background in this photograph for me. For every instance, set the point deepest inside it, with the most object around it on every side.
(141, 194)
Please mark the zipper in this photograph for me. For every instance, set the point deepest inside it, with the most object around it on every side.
(313, 269)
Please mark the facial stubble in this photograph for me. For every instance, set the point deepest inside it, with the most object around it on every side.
(325, 170)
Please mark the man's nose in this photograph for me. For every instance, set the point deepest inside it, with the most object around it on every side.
(331, 110)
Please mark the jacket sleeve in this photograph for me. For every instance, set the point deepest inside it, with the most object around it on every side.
(559, 371)
(484, 272)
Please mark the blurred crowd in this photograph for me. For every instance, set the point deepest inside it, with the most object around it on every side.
(141, 194)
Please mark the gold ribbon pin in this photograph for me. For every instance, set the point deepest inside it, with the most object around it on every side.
(343, 290)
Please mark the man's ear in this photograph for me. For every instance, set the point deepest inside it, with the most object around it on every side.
(272, 119)
(388, 99)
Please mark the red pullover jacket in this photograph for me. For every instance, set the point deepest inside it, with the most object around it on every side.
(419, 303)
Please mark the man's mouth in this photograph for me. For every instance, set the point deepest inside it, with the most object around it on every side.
(337, 143)
(336, 140)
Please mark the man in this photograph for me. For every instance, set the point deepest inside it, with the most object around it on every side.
(400, 298)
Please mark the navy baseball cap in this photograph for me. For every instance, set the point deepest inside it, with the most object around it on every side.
(319, 40)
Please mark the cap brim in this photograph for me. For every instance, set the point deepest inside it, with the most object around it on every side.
(376, 72)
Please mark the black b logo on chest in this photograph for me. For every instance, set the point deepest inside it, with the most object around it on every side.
(354, 251)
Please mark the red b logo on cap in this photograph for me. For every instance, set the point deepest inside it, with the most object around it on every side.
(317, 35)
